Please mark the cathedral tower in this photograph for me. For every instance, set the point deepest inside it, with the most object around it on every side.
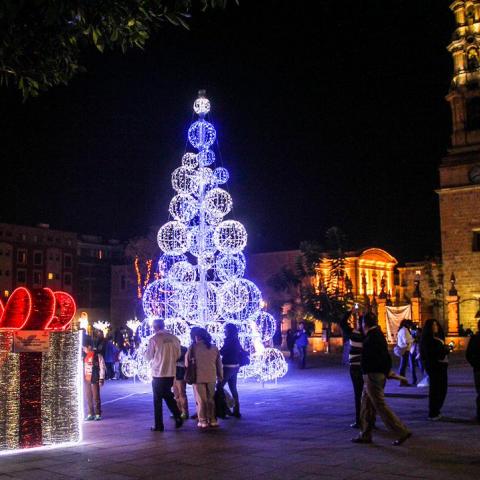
(459, 191)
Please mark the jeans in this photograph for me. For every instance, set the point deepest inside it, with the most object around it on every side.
(438, 388)
(230, 377)
(162, 390)
(408, 359)
(373, 402)
(303, 356)
(476, 377)
(357, 382)
(94, 402)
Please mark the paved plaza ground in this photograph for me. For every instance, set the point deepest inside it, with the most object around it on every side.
(296, 429)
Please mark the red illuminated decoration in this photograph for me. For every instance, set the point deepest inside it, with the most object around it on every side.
(65, 309)
(40, 309)
(17, 311)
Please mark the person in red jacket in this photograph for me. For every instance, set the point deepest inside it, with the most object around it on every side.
(94, 377)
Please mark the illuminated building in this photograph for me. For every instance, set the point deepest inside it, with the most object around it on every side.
(459, 191)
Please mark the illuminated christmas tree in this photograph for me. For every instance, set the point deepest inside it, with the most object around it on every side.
(202, 266)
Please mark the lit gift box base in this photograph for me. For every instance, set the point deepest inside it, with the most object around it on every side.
(40, 371)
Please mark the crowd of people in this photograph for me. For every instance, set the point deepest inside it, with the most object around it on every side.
(209, 370)
(371, 365)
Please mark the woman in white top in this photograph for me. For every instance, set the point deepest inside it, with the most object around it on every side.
(208, 370)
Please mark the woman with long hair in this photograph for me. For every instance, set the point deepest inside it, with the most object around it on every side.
(206, 358)
(434, 354)
(230, 353)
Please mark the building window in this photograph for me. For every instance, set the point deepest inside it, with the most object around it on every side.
(21, 276)
(50, 276)
(67, 279)
(38, 258)
(100, 254)
(22, 257)
(6, 293)
(37, 277)
(476, 242)
(68, 260)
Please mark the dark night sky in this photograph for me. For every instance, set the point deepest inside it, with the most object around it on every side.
(328, 117)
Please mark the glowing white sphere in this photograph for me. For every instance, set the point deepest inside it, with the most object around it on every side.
(230, 236)
(230, 266)
(234, 296)
(221, 174)
(173, 238)
(190, 160)
(166, 261)
(266, 325)
(157, 300)
(201, 106)
(182, 273)
(183, 180)
(272, 364)
(129, 367)
(218, 202)
(180, 329)
(201, 243)
(205, 158)
(201, 134)
(183, 207)
(251, 301)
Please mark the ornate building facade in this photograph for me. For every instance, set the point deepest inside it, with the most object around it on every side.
(459, 191)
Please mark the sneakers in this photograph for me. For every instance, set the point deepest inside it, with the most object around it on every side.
(88, 418)
(98, 418)
(184, 416)
(157, 429)
(435, 419)
(202, 425)
(214, 423)
(355, 425)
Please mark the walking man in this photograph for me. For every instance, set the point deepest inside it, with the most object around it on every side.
(301, 341)
(163, 352)
(473, 358)
(376, 365)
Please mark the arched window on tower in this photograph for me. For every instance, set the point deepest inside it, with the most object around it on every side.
(473, 113)
(472, 59)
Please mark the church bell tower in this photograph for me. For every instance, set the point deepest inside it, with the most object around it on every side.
(459, 191)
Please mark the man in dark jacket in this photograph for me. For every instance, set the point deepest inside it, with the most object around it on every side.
(473, 358)
(376, 364)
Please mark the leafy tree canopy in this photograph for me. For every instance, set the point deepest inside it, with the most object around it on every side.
(41, 41)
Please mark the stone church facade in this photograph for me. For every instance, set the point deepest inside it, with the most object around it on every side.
(459, 192)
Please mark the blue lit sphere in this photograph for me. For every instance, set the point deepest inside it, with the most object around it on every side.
(166, 261)
(221, 175)
(173, 238)
(230, 266)
(157, 300)
(205, 158)
(201, 134)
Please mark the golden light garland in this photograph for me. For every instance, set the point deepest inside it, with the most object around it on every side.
(142, 285)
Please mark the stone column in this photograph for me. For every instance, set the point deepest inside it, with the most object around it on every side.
(417, 310)
(382, 314)
(453, 315)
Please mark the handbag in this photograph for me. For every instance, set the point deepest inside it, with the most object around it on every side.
(191, 369)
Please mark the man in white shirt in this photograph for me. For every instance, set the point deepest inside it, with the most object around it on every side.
(163, 352)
